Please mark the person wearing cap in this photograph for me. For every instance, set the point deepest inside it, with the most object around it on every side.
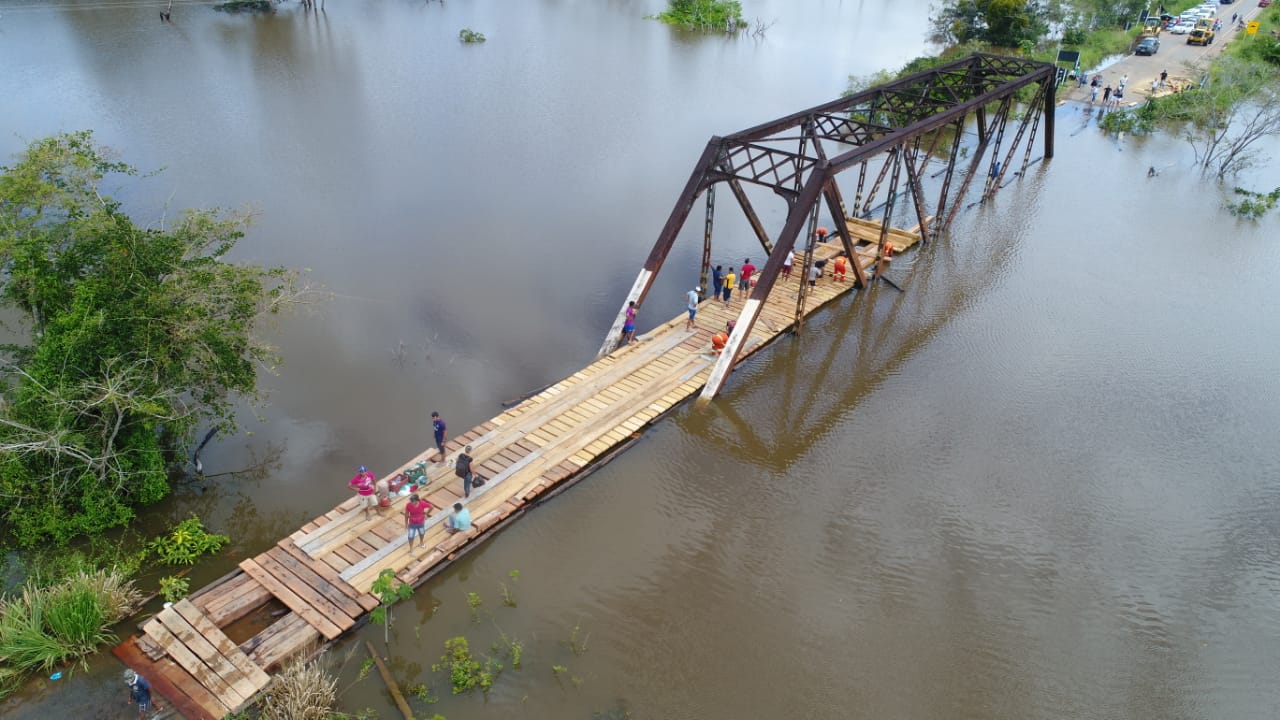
(693, 306)
(366, 490)
(139, 692)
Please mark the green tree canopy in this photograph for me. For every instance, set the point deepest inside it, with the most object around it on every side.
(137, 335)
(1005, 23)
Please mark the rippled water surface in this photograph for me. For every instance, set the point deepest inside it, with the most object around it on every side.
(1041, 483)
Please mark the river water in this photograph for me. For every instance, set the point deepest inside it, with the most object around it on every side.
(1041, 483)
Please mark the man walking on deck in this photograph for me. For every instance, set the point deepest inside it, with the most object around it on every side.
(729, 281)
(786, 264)
(692, 304)
(441, 433)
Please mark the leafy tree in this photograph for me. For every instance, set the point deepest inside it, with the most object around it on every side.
(137, 335)
(724, 15)
(1004, 23)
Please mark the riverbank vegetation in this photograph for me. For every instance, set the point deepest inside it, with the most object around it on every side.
(704, 15)
(136, 336)
(43, 627)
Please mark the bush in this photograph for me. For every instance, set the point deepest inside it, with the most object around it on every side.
(186, 543)
(705, 15)
(44, 627)
(467, 35)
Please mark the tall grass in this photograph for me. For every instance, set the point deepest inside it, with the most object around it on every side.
(302, 691)
(44, 627)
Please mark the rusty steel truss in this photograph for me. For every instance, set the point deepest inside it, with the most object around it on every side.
(890, 132)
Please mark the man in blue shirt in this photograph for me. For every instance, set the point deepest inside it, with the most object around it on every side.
(139, 692)
(459, 521)
(440, 431)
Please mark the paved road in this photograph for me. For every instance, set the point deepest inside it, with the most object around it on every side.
(1174, 56)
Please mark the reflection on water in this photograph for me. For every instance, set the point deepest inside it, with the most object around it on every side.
(1038, 484)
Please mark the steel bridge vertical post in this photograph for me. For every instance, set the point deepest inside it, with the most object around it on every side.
(862, 180)
(752, 219)
(940, 223)
(807, 197)
(706, 242)
(836, 205)
(803, 293)
(895, 156)
(917, 193)
(662, 246)
(1050, 93)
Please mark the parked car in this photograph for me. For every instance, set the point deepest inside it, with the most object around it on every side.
(1264, 3)
(1183, 27)
(1148, 46)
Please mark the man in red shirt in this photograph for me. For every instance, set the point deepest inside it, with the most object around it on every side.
(744, 277)
(365, 488)
(416, 513)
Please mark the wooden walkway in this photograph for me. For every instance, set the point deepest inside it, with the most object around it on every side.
(322, 572)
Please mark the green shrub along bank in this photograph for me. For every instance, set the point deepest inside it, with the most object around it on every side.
(41, 628)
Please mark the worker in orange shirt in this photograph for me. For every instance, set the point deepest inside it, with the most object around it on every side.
(885, 257)
(842, 264)
(720, 339)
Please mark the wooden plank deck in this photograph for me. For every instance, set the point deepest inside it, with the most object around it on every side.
(323, 572)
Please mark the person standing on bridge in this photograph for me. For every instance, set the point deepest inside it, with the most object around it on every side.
(692, 303)
(462, 468)
(441, 432)
(629, 329)
(416, 512)
(717, 282)
(786, 264)
(366, 491)
(729, 281)
(744, 278)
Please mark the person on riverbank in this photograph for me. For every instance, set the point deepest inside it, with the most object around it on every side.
(416, 512)
(440, 431)
(1093, 94)
(459, 520)
(462, 468)
(1124, 80)
(629, 329)
(1155, 85)
(139, 692)
(1106, 95)
(366, 491)
(717, 281)
(744, 277)
(1164, 75)
(786, 264)
(730, 280)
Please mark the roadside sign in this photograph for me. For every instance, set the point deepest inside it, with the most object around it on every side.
(1251, 28)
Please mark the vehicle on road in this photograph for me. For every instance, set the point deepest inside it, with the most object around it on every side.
(1148, 46)
(1264, 3)
(1200, 36)
(1183, 27)
(1150, 28)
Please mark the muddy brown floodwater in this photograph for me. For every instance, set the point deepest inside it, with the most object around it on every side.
(1041, 483)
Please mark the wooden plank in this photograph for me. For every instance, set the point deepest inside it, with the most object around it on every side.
(308, 594)
(241, 687)
(287, 636)
(256, 676)
(367, 601)
(291, 600)
(172, 683)
(333, 593)
(193, 664)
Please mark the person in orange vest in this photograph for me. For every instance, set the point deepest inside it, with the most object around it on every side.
(822, 234)
(720, 339)
(885, 256)
(842, 264)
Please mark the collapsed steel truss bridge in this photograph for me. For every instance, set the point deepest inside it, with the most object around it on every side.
(889, 132)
